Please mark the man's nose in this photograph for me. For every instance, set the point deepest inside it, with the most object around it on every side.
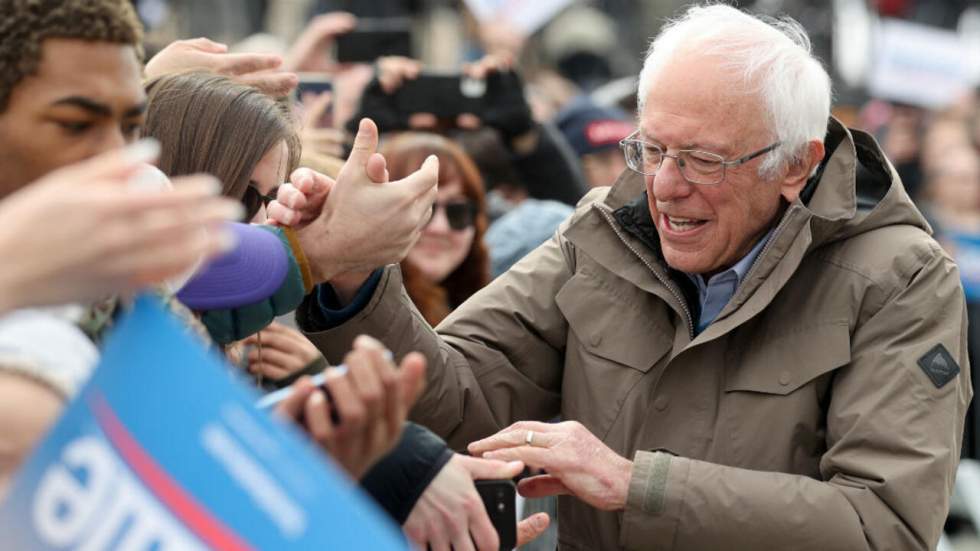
(668, 183)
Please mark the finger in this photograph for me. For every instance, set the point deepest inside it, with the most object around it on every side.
(292, 406)
(243, 64)
(377, 169)
(275, 84)
(365, 144)
(115, 166)
(280, 214)
(481, 529)
(540, 458)
(366, 380)
(468, 121)
(282, 360)
(531, 528)
(316, 109)
(206, 45)
(291, 197)
(317, 419)
(542, 486)
(486, 469)
(412, 378)
(425, 179)
(515, 435)
(462, 542)
(350, 409)
(270, 371)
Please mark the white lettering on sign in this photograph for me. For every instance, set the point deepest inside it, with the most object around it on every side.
(90, 501)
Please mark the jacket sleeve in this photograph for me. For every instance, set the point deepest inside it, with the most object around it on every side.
(233, 324)
(893, 442)
(399, 479)
(504, 343)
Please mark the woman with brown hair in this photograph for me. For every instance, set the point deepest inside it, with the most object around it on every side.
(210, 123)
(450, 261)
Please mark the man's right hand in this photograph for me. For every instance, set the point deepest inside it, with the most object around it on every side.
(450, 512)
(367, 222)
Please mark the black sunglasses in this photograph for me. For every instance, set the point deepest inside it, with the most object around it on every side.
(459, 214)
(255, 200)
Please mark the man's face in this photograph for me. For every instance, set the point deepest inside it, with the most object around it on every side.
(708, 228)
(86, 98)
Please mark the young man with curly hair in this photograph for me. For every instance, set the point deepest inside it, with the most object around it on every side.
(70, 84)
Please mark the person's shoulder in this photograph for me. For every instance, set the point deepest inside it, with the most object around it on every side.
(888, 256)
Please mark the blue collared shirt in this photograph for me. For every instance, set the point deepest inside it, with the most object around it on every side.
(720, 288)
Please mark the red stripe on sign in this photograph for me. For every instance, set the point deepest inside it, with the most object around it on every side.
(202, 523)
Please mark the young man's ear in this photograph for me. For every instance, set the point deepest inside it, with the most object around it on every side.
(800, 170)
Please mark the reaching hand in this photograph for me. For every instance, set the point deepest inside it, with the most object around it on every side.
(101, 235)
(368, 222)
(284, 351)
(300, 201)
(259, 70)
(577, 462)
(450, 511)
(368, 405)
(310, 51)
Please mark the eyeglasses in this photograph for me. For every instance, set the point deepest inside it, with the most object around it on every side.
(459, 214)
(697, 167)
(254, 200)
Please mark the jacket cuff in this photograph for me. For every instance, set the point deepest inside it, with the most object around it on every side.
(399, 479)
(301, 260)
(383, 311)
(655, 497)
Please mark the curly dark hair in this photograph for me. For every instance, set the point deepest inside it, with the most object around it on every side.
(26, 23)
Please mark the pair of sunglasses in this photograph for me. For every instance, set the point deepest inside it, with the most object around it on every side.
(459, 214)
(255, 200)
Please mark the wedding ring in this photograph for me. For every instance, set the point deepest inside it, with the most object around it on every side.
(529, 439)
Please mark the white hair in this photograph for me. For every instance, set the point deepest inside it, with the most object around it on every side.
(774, 61)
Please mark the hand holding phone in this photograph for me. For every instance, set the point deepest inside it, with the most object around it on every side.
(499, 499)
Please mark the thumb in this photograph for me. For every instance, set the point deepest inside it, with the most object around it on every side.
(377, 169)
(491, 469)
(530, 528)
(412, 372)
(425, 178)
(365, 144)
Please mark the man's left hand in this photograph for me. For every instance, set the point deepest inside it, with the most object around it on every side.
(576, 461)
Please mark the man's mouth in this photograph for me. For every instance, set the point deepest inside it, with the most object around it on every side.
(680, 224)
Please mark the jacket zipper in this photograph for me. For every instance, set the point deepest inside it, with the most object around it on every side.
(688, 317)
(766, 247)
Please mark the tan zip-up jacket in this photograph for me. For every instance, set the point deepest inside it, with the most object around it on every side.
(815, 413)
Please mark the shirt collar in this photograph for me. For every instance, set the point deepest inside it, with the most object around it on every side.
(739, 269)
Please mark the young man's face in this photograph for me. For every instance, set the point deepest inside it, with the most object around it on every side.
(86, 98)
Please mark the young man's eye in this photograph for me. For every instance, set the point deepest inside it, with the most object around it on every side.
(75, 127)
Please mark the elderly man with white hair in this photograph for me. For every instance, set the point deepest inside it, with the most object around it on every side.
(751, 337)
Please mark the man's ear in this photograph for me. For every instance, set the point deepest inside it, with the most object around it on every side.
(799, 171)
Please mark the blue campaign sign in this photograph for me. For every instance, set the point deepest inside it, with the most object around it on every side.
(164, 450)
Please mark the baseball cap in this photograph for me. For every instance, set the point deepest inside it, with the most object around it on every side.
(247, 274)
(591, 128)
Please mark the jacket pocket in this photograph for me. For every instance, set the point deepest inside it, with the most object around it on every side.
(781, 364)
(610, 322)
(774, 408)
(617, 334)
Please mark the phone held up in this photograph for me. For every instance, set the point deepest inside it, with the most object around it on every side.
(374, 38)
(499, 498)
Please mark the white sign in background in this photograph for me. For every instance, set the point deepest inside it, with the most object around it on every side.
(525, 15)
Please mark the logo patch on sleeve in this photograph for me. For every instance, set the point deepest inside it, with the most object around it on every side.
(939, 366)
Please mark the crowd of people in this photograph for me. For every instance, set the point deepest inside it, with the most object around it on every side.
(702, 314)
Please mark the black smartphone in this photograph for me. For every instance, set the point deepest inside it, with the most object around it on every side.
(499, 499)
(443, 95)
(374, 38)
